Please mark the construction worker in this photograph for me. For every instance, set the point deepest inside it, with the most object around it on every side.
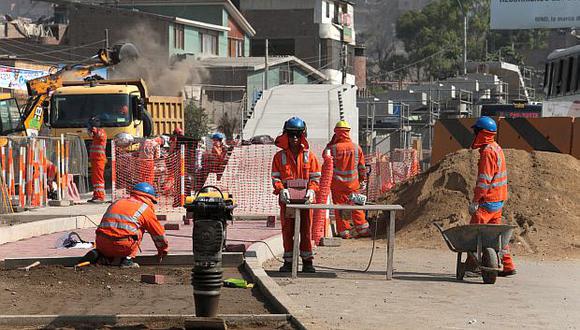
(122, 227)
(149, 151)
(98, 157)
(349, 177)
(215, 159)
(295, 161)
(491, 190)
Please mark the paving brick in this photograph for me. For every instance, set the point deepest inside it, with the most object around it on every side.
(162, 217)
(171, 226)
(152, 279)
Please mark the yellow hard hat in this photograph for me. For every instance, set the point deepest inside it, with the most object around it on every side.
(342, 124)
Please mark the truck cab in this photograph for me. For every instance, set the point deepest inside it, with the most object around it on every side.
(119, 108)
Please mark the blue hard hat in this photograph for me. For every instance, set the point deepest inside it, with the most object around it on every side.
(144, 188)
(217, 136)
(294, 124)
(486, 123)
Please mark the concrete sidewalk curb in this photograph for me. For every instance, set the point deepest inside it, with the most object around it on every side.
(110, 319)
(256, 255)
(21, 231)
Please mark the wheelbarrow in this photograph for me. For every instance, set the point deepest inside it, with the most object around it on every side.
(483, 243)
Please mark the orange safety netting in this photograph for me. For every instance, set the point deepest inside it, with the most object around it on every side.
(241, 170)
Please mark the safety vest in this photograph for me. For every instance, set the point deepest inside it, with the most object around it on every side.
(128, 217)
(285, 167)
(492, 180)
(348, 165)
(98, 147)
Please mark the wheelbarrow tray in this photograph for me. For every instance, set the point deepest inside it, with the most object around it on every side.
(464, 238)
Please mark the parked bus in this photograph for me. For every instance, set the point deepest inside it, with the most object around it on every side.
(562, 83)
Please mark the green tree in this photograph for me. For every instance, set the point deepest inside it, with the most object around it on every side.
(433, 37)
(196, 121)
(229, 125)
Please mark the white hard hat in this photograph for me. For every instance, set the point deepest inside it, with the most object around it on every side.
(124, 139)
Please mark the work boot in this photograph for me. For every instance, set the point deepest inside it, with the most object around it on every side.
(506, 273)
(363, 233)
(128, 263)
(307, 267)
(286, 267)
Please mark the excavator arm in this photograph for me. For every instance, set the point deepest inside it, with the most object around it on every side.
(39, 89)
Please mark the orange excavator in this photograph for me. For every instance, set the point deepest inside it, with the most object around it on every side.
(39, 89)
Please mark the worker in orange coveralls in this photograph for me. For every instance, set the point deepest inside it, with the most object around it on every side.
(295, 161)
(491, 190)
(98, 157)
(149, 151)
(173, 140)
(215, 159)
(349, 177)
(121, 230)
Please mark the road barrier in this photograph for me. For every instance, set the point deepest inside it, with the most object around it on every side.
(243, 171)
(553, 134)
(32, 166)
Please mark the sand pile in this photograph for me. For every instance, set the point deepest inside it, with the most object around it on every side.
(544, 201)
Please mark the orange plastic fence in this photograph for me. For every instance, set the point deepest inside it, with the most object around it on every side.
(242, 170)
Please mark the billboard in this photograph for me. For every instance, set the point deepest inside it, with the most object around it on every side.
(534, 14)
(15, 78)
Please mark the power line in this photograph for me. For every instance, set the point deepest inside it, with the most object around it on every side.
(409, 65)
(43, 47)
(64, 49)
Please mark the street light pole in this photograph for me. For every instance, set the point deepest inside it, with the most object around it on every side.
(464, 37)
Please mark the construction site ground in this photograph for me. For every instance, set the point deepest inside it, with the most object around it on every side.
(424, 293)
(102, 290)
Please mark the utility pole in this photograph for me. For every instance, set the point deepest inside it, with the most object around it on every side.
(266, 67)
(106, 38)
(343, 61)
(464, 37)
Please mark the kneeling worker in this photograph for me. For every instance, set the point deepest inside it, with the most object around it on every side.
(122, 227)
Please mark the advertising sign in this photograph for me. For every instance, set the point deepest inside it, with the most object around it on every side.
(534, 14)
(15, 78)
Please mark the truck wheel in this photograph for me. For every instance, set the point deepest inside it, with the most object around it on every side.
(489, 259)
(147, 124)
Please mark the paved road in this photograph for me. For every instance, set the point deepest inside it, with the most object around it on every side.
(44, 246)
(425, 294)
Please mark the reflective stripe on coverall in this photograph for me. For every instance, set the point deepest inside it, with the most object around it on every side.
(122, 227)
(349, 171)
(286, 167)
(491, 185)
(98, 157)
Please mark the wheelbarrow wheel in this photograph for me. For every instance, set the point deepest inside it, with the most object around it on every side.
(460, 270)
(489, 260)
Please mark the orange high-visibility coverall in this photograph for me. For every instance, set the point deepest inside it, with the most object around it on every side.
(98, 159)
(149, 151)
(348, 174)
(122, 227)
(287, 166)
(491, 187)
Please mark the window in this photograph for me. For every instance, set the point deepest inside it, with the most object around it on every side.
(75, 110)
(208, 42)
(178, 36)
(285, 75)
(235, 47)
(327, 9)
(9, 115)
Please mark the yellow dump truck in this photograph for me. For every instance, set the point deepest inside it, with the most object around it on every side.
(122, 106)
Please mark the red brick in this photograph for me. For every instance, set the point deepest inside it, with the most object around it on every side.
(153, 279)
(171, 226)
(235, 248)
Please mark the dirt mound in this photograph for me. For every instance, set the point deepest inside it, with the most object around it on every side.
(543, 202)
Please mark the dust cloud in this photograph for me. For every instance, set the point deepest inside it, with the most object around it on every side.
(153, 64)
